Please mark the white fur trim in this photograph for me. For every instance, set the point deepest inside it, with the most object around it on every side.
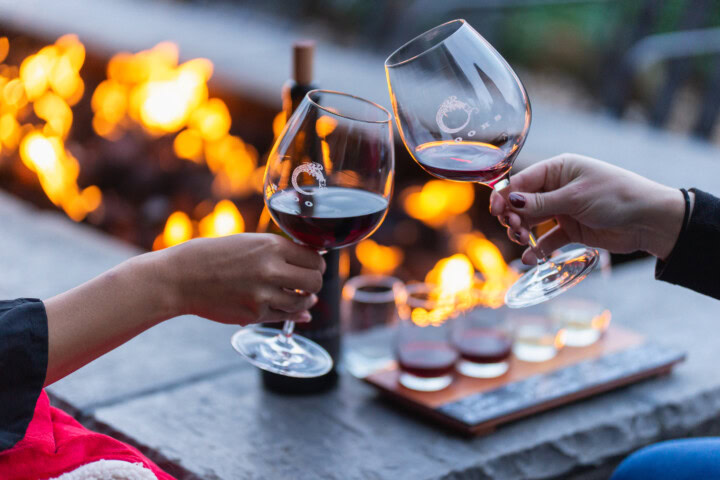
(109, 470)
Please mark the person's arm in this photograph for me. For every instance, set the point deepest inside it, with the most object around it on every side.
(23, 360)
(695, 259)
(240, 279)
(601, 205)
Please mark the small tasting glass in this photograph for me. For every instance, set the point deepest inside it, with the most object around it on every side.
(422, 348)
(483, 339)
(369, 301)
(536, 337)
(583, 313)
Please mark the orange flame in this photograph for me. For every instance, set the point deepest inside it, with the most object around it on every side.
(487, 259)
(224, 220)
(49, 82)
(178, 229)
(438, 201)
(378, 259)
(152, 90)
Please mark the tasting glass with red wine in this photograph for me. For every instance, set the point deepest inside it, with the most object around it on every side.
(464, 115)
(483, 339)
(328, 183)
(422, 343)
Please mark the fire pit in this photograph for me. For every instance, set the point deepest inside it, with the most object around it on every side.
(141, 146)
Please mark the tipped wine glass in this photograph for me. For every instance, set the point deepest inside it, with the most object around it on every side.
(328, 183)
(464, 115)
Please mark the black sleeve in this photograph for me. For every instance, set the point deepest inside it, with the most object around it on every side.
(695, 260)
(23, 363)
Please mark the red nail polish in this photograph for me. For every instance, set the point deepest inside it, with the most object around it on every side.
(516, 200)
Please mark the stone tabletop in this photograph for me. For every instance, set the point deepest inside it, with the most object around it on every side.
(227, 427)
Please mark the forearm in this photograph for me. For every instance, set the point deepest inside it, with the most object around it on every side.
(694, 259)
(662, 220)
(96, 317)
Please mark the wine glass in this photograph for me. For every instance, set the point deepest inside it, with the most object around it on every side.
(328, 183)
(464, 115)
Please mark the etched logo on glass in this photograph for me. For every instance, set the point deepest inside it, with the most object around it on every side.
(313, 169)
(449, 105)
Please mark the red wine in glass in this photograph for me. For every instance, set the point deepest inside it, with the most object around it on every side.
(426, 359)
(327, 217)
(484, 345)
(467, 161)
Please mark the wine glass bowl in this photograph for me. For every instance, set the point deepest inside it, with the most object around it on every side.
(460, 109)
(328, 183)
(464, 115)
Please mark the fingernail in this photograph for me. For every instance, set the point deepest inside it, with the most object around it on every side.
(517, 236)
(516, 200)
(304, 317)
(314, 299)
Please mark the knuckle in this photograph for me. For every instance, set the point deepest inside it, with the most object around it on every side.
(273, 273)
(263, 297)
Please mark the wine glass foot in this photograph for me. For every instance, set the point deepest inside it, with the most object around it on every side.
(293, 356)
(481, 370)
(422, 384)
(551, 278)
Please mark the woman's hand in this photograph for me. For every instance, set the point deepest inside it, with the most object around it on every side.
(239, 279)
(594, 203)
(243, 279)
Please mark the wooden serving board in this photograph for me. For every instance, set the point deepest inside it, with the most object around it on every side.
(477, 406)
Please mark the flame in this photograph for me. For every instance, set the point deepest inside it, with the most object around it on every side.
(496, 274)
(57, 171)
(50, 82)
(279, 123)
(151, 89)
(458, 288)
(178, 229)
(438, 201)
(378, 259)
(4, 48)
(453, 278)
(325, 125)
(452, 275)
(224, 220)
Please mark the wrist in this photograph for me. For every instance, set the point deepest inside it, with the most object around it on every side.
(663, 221)
(155, 275)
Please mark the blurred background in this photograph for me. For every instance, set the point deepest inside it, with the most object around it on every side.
(151, 120)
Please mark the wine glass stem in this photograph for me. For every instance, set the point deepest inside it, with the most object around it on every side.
(289, 325)
(539, 254)
(288, 328)
(502, 184)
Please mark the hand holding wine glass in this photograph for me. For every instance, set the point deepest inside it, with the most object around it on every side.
(594, 203)
(464, 115)
(328, 183)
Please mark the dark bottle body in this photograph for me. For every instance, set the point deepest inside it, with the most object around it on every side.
(324, 329)
(293, 93)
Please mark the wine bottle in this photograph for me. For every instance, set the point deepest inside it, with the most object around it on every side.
(324, 328)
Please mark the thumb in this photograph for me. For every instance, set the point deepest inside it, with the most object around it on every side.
(545, 204)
